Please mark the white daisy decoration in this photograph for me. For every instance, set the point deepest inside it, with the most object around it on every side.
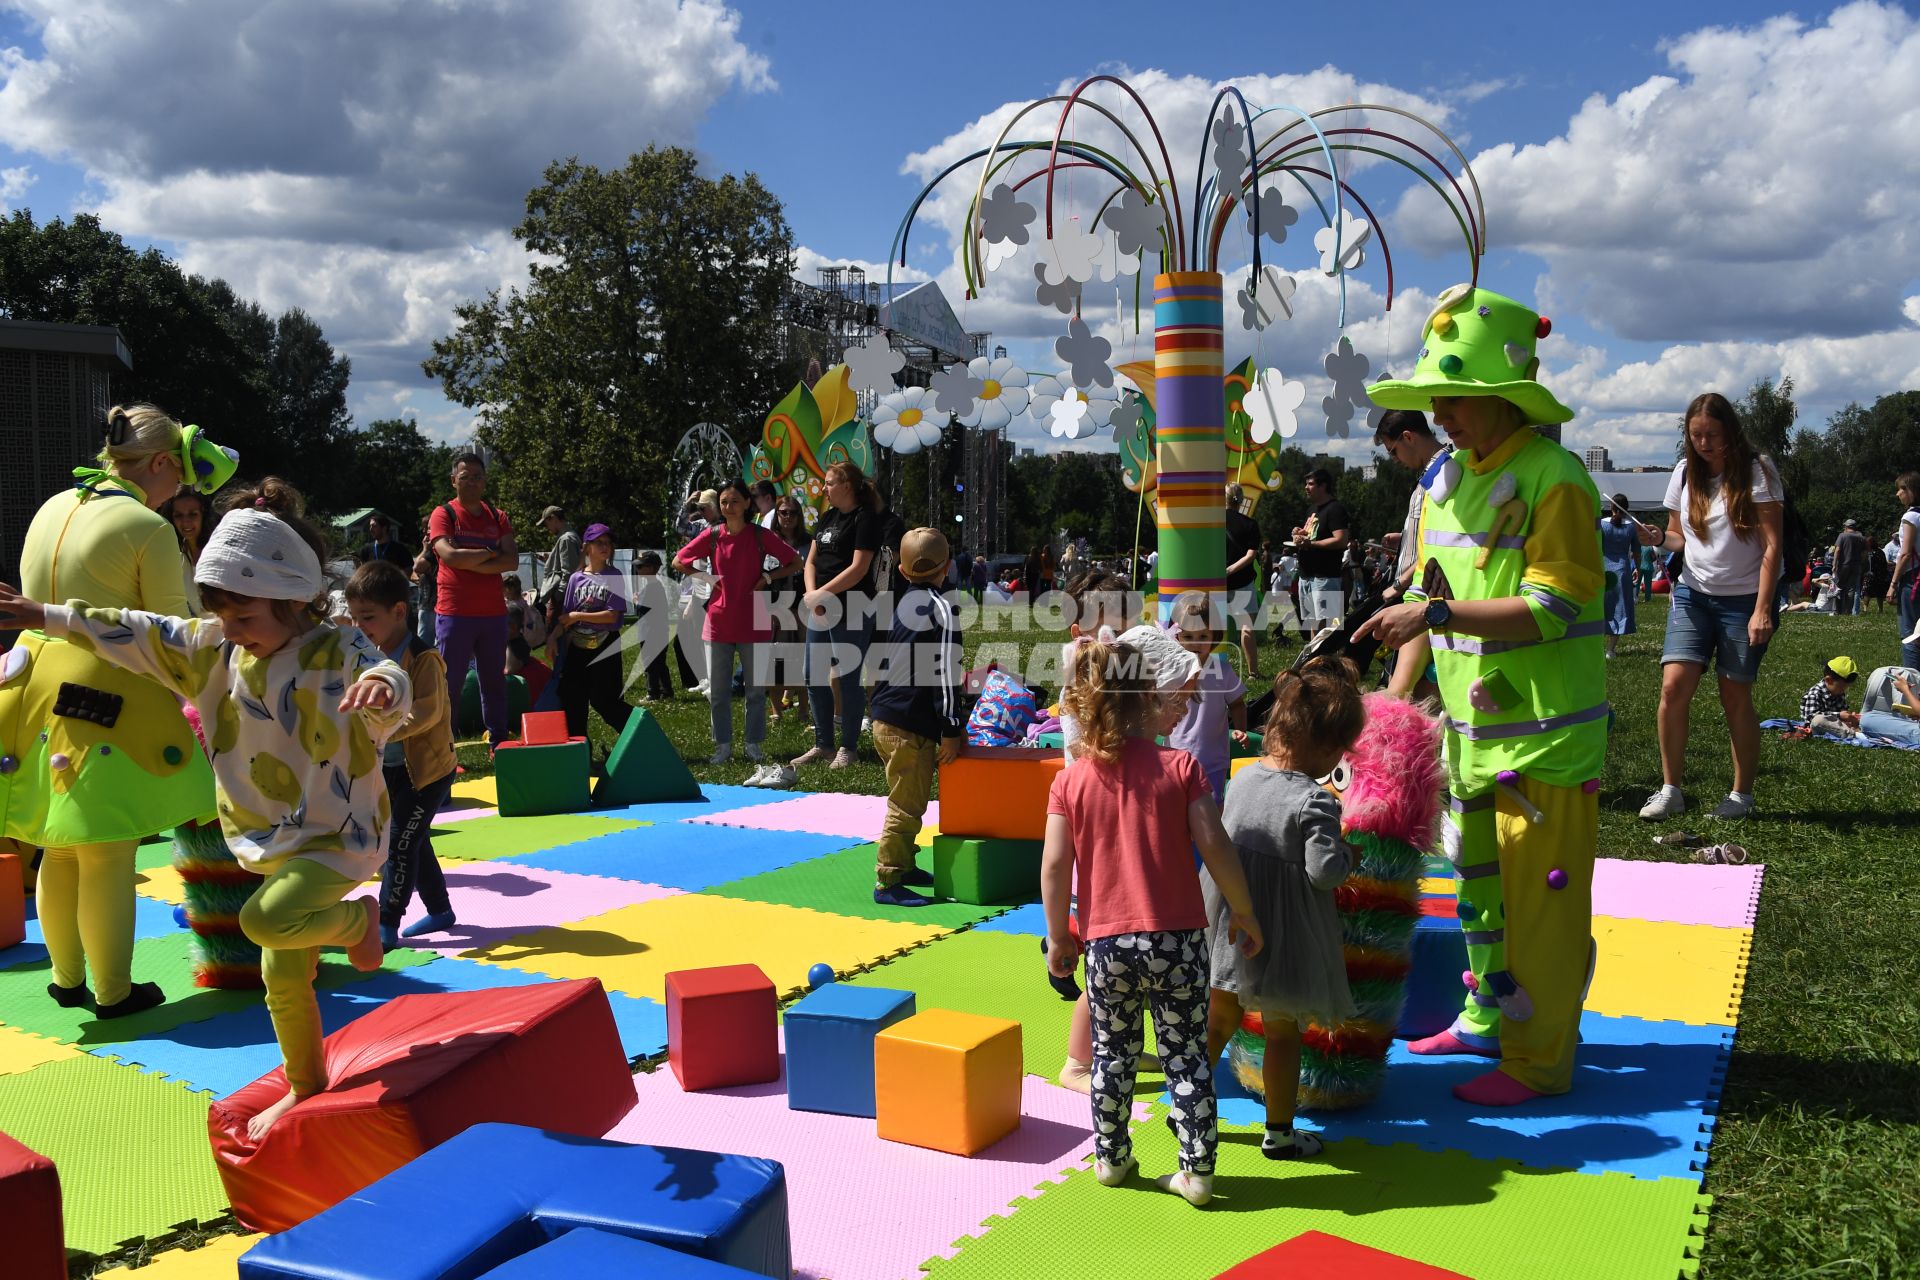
(1098, 404)
(1004, 396)
(907, 421)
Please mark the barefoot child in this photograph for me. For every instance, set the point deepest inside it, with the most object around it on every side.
(1285, 830)
(418, 760)
(1120, 824)
(297, 710)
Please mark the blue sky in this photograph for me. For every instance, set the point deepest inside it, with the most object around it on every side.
(1698, 194)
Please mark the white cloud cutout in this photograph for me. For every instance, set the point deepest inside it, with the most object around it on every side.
(13, 184)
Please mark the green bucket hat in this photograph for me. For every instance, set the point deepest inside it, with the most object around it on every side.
(1476, 343)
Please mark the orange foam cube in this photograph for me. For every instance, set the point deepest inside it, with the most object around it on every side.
(999, 792)
(947, 1080)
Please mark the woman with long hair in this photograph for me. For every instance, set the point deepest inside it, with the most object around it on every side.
(1724, 501)
(1905, 570)
(790, 526)
(191, 515)
(837, 611)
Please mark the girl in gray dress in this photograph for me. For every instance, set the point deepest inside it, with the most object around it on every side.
(1286, 828)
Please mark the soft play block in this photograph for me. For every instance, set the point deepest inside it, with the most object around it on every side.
(1317, 1253)
(830, 1046)
(643, 767)
(543, 728)
(1434, 993)
(947, 1080)
(985, 871)
(30, 1225)
(998, 791)
(552, 778)
(471, 724)
(500, 1191)
(722, 1026)
(13, 902)
(585, 1251)
(411, 1074)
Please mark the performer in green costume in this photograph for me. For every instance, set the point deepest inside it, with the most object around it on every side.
(1509, 587)
(91, 757)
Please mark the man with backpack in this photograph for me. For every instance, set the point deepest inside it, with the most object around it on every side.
(474, 543)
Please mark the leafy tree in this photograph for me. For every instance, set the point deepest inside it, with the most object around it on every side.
(651, 306)
(400, 471)
(1768, 412)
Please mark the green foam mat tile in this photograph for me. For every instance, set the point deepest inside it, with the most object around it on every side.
(479, 839)
(1489, 1219)
(131, 1149)
(157, 852)
(842, 883)
(168, 960)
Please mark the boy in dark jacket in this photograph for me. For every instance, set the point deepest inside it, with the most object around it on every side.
(917, 719)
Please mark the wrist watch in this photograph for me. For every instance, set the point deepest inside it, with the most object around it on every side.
(1439, 615)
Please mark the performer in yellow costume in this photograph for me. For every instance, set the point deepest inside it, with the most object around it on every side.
(93, 758)
(1509, 588)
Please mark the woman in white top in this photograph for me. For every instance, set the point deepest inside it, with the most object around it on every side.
(1725, 505)
(1905, 589)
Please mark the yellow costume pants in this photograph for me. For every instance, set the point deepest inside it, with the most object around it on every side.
(1526, 940)
(85, 903)
(295, 913)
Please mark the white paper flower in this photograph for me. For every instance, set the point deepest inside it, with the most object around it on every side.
(1003, 397)
(1086, 353)
(1070, 253)
(1272, 405)
(1354, 234)
(1276, 215)
(954, 389)
(1004, 217)
(1067, 417)
(1139, 225)
(1099, 404)
(1270, 301)
(872, 364)
(907, 422)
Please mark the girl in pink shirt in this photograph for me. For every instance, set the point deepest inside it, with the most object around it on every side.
(1120, 827)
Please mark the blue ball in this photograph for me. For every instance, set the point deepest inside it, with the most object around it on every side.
(819, 976)
(180, 915)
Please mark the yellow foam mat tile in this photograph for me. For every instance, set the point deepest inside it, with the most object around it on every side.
(23, 1051)
(217, 1259)
(477, 792)
(1437, 884)
(927, 833)
(1669, 972)
(634, 948)
(163, 883)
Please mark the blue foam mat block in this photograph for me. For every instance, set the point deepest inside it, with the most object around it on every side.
(233, 1050)
(151, 919)
(684, 855)
(1642, 1096)
(719, 799)
(1030, 919)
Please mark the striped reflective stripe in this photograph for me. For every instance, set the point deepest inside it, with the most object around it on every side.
(1565, 610)
(1526, 728)
(1469, 644)
(1484, 937)
(1470, 804)
(1454, 538)
(1485, 1002)
(1478, 870)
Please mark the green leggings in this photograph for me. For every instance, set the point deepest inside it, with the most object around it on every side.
(85, 901)
(296, 912)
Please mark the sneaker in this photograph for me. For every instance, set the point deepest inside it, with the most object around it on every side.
(1110, 1174)
(900, 895)
(812, 755)
(758, 778)
(866, 724)
(1734, 807)
(722, 754)
(699, 690)
(1667, 802)
(1195, 1188)
(844, 757)
(754, 753)
(780, 775)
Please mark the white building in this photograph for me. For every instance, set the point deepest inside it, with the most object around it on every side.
(1596, 458)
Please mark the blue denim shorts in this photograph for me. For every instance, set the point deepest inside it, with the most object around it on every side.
(1712, 630)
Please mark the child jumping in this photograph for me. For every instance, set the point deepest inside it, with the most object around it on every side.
(1120, 824)
(1285, 829)
(297, 711)
(418, 764)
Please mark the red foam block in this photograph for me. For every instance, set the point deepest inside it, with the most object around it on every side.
(35, 1241)
(722, 1027)
(543, 728)
(13, 901)
(1316, 1253)
(413, 1073)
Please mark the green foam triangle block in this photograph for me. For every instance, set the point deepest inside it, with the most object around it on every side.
(644, 768)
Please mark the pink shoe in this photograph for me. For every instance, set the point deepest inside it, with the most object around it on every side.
(1495, 1089)
(1446, 1043)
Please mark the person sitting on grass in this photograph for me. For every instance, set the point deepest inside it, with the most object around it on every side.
(917, 721)
(1824, 705)
(1890, 708)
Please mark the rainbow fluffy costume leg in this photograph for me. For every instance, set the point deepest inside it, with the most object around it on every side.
(217, 886)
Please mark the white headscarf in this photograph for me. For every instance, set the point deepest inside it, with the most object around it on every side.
(253, 552)
(1172, 665)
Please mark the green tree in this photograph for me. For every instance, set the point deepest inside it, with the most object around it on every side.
(1767, 413)
(651, 305)
(399, 470)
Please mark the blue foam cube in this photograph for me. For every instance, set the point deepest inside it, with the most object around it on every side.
(1434, 994)
(587, 1252)
(830, 1046)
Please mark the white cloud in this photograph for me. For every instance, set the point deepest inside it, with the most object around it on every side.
(1765, 189)
(13, 184)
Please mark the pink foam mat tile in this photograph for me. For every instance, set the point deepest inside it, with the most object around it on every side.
(828, 813)
(495, 901)
(1677, 892)
(862, 1208)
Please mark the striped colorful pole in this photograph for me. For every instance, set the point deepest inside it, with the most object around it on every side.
(1191, 454)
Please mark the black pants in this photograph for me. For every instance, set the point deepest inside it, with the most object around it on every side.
(659, 682)
(585, 682)
(410, 862)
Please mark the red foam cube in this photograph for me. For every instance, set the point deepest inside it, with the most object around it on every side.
(543, 728)
(1317, 1253)
(412, 1074)
(13, 901)
(36, 1243)
(722, 1027)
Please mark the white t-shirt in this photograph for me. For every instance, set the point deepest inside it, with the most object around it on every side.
(1912, 520)
(1723, 564)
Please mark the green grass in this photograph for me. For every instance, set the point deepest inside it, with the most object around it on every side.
(1815, 1164)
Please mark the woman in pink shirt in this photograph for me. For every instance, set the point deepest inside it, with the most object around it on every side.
(746, 559)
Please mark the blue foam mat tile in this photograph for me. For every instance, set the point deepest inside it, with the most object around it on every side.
(690, 856)
(1029, 919)
(23, 953)
(151, 919)
(1642, 1091)
(719, 799)
(220, 1055)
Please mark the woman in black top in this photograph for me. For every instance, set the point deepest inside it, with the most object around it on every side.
(837, 611)
(790, 526)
